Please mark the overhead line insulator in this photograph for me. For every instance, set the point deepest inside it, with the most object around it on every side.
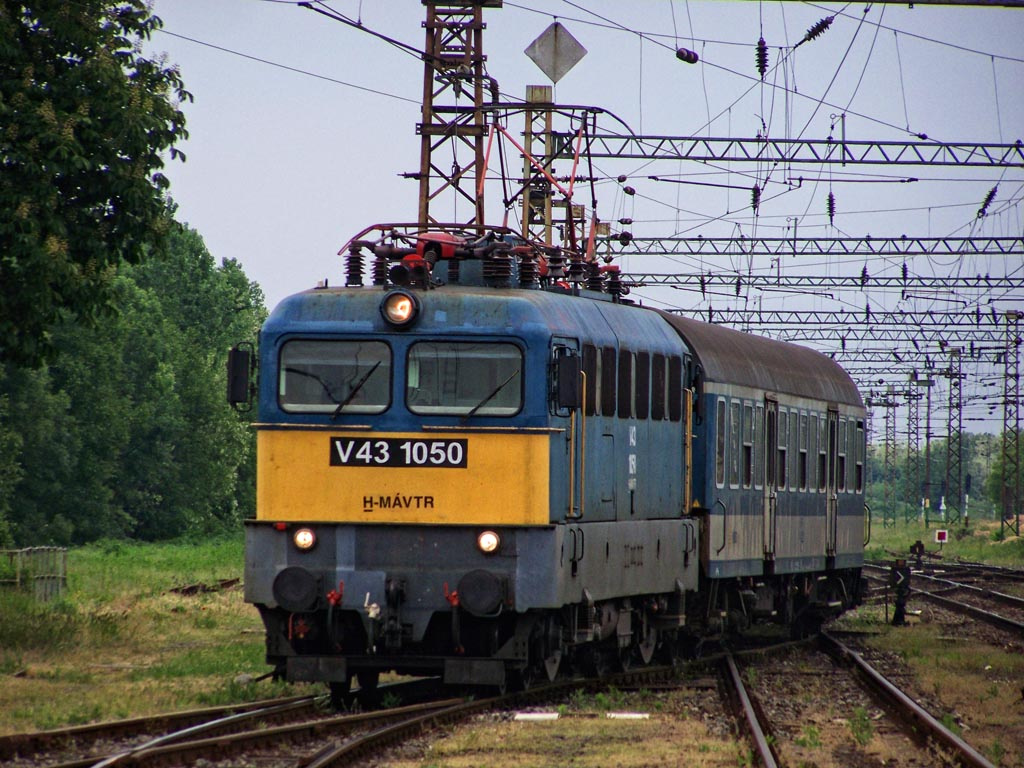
(761, 57)
(817, 30)
(687, 56)
(983, 211)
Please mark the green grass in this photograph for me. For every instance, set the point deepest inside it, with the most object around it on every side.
(120, 643)
(110, 568)
(979, 542)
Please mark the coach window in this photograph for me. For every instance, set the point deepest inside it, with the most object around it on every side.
(643, 386)
(658, 385)
(335, 377)
(607, 381)
(675, 388)
(591, 369)
(802, 460)
(720, 445)
(860, 447)
(822, 453)
(462, 378)
(734, 444)
(812, 451)
(758, 446)
(794, 450)
(851, 447)
(747, 469)
(841, 469)
(783, 445)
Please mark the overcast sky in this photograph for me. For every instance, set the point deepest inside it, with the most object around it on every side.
(286, 163)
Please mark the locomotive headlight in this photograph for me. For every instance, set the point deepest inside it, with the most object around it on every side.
(488, 542)
(399, 308)
(304, 539)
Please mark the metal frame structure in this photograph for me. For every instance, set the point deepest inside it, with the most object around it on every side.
(453, 65)
(953, 503)
(1011, 480)
(455, 144)
(820, 246)
(817, 151)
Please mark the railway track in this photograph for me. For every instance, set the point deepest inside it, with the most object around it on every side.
(769, 682)
(984, 603)
(38, 745)
(795, 707)
(168, 737)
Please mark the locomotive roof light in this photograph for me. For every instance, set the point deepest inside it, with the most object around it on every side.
(304, 539)
(400, 309)
(489, 542)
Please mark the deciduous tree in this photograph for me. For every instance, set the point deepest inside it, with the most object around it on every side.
(85, 120)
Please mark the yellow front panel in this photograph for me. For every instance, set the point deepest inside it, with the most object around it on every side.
(504, 482)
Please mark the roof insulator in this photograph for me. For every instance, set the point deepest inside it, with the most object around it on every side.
(761, 57)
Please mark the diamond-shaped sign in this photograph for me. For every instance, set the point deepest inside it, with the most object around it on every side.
(555, 51)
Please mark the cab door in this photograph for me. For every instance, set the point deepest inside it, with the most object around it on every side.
(567, 384)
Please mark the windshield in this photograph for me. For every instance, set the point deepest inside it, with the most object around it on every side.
(465, 379)
(335, 377)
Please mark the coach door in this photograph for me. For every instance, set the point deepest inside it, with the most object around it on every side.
(769, 451)
(831, 482)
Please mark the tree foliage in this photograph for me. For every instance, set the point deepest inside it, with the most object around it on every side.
(84, 118)
(126, 431)
(980, 458)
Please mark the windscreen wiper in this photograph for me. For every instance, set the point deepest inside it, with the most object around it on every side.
(355, 390)
(494, 393)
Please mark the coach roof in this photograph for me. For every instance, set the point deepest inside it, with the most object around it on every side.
(755, 361)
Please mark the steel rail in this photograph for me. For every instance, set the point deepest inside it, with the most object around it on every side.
(1001, 597)
(222, 745)
(981, 614)
(340, 754)
(25, 744)
(207, 728)
(755, 728)
(904, 706)
(978, 613)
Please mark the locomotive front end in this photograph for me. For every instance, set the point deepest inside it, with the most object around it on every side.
(403, 486)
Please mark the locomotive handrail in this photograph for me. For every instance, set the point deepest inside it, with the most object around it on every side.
(725, 512)
(867, 510)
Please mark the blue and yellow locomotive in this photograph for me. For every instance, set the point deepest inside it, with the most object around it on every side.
(489, 465)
